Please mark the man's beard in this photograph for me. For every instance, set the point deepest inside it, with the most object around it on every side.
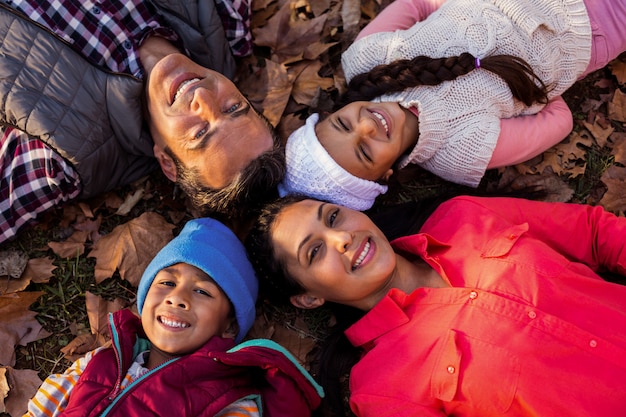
(250, 189)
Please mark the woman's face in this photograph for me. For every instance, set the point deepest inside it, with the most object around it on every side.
(367, 138)
(335, 253)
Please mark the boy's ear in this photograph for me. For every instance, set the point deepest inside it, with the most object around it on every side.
(306, 301)
(232, 329)
(167, 163)
(387, 175)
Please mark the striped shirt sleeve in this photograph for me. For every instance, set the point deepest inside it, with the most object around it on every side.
(53, 395)
(240, 408)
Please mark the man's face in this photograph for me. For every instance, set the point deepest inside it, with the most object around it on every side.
(203, 118)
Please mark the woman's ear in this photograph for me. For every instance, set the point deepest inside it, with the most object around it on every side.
(306, 301)
(167, 163)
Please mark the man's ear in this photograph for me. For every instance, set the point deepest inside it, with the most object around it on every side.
(306, 301)
(167, 163)
(232, 329)
(387, 175)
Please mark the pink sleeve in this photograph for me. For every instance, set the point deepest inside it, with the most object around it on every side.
(401, 14)
(524, 137)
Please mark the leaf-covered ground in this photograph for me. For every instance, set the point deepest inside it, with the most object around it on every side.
(59, 279)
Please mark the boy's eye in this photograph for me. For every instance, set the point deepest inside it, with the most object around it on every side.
(167, 283)
(203, 292)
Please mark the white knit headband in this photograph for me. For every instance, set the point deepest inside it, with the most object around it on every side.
(311, 171)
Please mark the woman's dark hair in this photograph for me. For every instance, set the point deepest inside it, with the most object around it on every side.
(399, 75)
(274, 280)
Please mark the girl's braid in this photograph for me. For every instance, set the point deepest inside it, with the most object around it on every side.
(422, 70)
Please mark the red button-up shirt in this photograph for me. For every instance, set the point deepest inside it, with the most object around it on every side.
(527, 327)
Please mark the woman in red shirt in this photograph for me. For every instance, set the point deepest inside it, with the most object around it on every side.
(496, 307)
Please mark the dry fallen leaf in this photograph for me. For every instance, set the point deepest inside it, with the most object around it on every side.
(308, 84)
(82, 344)
(618, 68)
(23, 384)
(71, 247)
(288, 38)
(617, 107)
(130, 247)
(4, 388)
(37, 270)
(614, 199)
(98, 310)
(12, 263)
(18, 325)
(130, 201)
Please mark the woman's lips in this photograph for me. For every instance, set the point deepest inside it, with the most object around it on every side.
(364, 254)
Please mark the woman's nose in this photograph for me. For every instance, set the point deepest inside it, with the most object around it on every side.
(341, 240)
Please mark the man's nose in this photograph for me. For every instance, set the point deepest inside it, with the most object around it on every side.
(203, 101)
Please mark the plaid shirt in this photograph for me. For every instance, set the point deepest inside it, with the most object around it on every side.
(33, 177)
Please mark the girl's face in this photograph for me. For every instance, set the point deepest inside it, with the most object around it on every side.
(335, 253)
(367, 138)
(183, 309)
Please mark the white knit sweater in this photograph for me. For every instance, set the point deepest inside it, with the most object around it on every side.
(459, 120)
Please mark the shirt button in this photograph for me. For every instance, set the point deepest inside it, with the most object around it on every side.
(511, 237)
(593, 343)
(532, 314)
(96, 10)
(127, 44)
(473, 295)
(451, 369)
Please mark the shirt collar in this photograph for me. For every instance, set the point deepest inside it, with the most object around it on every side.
(386, 315)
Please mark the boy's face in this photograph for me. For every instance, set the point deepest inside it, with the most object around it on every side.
(367, 138)
(183, 309)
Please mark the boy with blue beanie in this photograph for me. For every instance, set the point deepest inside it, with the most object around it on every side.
(197, 300)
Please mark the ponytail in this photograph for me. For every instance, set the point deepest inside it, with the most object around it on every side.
(399, 75)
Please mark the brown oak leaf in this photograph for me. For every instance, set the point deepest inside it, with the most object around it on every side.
(130, 247)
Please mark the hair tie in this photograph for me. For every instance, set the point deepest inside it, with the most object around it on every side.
(477, 63)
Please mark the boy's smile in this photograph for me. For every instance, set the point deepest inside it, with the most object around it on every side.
(183, 309)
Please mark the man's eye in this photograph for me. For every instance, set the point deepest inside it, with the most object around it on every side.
(201, 132)
(233, 108)
(342, 124)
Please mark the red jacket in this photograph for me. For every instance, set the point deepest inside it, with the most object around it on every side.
(199, 384)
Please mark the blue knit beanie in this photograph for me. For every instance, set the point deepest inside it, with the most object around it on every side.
(213, 248)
